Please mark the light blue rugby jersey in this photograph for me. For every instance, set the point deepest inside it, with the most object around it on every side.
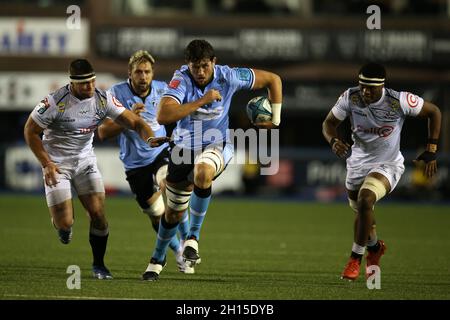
(213, 117)
(134, 152)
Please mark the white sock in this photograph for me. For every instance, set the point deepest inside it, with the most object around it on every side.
(356, 248)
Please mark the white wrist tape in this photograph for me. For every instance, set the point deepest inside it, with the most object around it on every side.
(276, 113)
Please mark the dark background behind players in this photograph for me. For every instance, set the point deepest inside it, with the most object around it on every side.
(316, 46)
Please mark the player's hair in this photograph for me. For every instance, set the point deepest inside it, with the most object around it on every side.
(81, 70)
(198, 50)
(372, 74)
(139, 57)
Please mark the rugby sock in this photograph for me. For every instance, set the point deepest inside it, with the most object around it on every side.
(183, 227)
(357, 251)
(174, 244)
(166, 232)
(98, 239)
(198, 206)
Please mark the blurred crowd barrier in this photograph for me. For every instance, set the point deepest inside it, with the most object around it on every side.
(307, 174)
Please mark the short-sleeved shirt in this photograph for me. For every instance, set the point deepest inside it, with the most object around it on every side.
(69, 123)
(376, 128)
(209, 123)
(134, 152)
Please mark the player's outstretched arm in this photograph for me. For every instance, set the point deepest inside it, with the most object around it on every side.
(110, 129)
(433, 114)
(329, 131)
(271, 81)
(131, 121)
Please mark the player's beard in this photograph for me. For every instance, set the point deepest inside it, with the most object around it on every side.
(141, 88)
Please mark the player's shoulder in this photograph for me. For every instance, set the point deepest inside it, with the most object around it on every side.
(227, 70)
(352, 91)
(59, 94)
(120, 87)
(234, 73)
(183, 72)
(409, 100)
(223, 68)
(352, 96)
(101, 93)
(391, 93)
(180, 76)
(158, 84)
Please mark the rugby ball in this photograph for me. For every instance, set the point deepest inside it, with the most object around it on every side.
(259, 109)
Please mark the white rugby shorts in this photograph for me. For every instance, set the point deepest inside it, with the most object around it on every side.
(355, 176)
(82, 175)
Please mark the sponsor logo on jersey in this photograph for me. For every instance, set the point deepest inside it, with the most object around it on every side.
(355, 99)
(61, 107)
(43, 106)
(174, 83)
(384, 115)
(395, 104)
(244, 74)
(383, 131)
(67, 120)
(89, 170)
(87, 130)
(412, 100)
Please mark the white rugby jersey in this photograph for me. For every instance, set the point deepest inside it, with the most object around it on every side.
(376, 128)
(69, 123)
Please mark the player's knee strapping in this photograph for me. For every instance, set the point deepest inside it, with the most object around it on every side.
(213, 158)
(376, 186)
(156, 209)
(177, 200)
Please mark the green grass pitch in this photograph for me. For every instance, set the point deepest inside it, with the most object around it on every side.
(250, 250)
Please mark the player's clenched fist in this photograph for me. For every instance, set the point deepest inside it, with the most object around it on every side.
(137, 108)
(212, 95)
(339, 147)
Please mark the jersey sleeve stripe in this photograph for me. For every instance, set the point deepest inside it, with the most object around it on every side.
(253, 78)
(173, 97)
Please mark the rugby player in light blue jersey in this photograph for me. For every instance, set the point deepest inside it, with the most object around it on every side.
(145, 167)
(198, 98)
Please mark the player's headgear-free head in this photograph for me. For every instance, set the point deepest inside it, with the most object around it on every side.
(198, 50)
(139, 57)
(81, 70)
(372, 74)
